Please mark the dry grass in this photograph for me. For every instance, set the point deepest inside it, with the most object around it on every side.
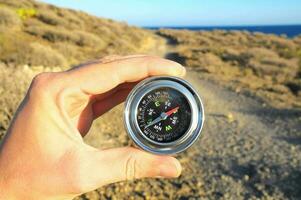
(17, 3)
(51, 18)
(52, 34)
(72, 20)
(268, 65)
(8, 18)
(15, 51)
(13, 86)
(45, 56)
(85, 36)
(88, 39)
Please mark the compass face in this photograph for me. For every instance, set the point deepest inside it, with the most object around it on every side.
(164, 115)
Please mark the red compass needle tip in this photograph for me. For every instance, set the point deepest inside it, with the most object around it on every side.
(172, 111)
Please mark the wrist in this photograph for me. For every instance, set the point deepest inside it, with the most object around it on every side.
(10, 191)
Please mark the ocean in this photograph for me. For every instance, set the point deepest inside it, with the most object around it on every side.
(288, 30)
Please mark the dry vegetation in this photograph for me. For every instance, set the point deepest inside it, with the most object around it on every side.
(267, 65)
(8, 18)
(13, 86)
(24, 23)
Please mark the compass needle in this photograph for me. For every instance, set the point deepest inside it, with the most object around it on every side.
(163, 116)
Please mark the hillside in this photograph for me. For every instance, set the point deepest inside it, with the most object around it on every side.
(35, 33)
(262, 65)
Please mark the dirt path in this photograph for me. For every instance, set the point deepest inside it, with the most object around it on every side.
(247, 151)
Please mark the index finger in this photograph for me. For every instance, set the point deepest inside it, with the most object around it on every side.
(97, 78)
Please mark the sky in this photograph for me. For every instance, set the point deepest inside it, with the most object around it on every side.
(191, 12)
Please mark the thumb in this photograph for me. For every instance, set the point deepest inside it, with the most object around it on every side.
(113, 165)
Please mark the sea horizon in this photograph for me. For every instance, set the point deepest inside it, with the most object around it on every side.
(290, 31)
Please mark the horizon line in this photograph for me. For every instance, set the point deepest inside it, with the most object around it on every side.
(242, 25)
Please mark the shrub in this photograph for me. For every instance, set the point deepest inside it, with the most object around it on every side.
(295, 87)
(105, 31)
(230, 54)
(72, 20)
(279, 62)
(52, 34)
(209, 59)
(13, 48)
(16, 49)
(297, 40)
(257, 53)
(51, 18)
(70, 52)
(88, 39)
(14, 82)
(13, 85)
(282, 43)
(45, 56)
(32, 22)
(18, 3)
(8, 18)
(267, 62)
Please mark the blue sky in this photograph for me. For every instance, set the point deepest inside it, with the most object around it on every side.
(191, 12)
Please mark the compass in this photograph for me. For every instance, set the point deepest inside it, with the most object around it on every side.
(164, 115)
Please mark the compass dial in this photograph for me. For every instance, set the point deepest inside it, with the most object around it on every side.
(164, 115)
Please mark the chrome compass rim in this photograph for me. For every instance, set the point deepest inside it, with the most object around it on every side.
(131, 107)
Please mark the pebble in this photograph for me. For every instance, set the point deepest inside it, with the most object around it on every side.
(230, 117)
(246, 177)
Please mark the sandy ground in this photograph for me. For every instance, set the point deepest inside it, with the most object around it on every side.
(247, 151)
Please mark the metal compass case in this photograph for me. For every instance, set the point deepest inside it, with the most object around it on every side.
(164, 115)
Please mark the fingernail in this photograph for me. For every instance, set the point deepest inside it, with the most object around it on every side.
(170, 169)
(183, 71)
(178, 167)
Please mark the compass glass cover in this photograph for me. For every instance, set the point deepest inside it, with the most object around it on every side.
(164, 115)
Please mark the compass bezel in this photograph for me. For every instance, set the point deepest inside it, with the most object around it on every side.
(131, 111)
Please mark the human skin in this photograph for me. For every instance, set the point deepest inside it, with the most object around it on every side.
(43, 155)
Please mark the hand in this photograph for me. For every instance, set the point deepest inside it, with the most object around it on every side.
(43, 155)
